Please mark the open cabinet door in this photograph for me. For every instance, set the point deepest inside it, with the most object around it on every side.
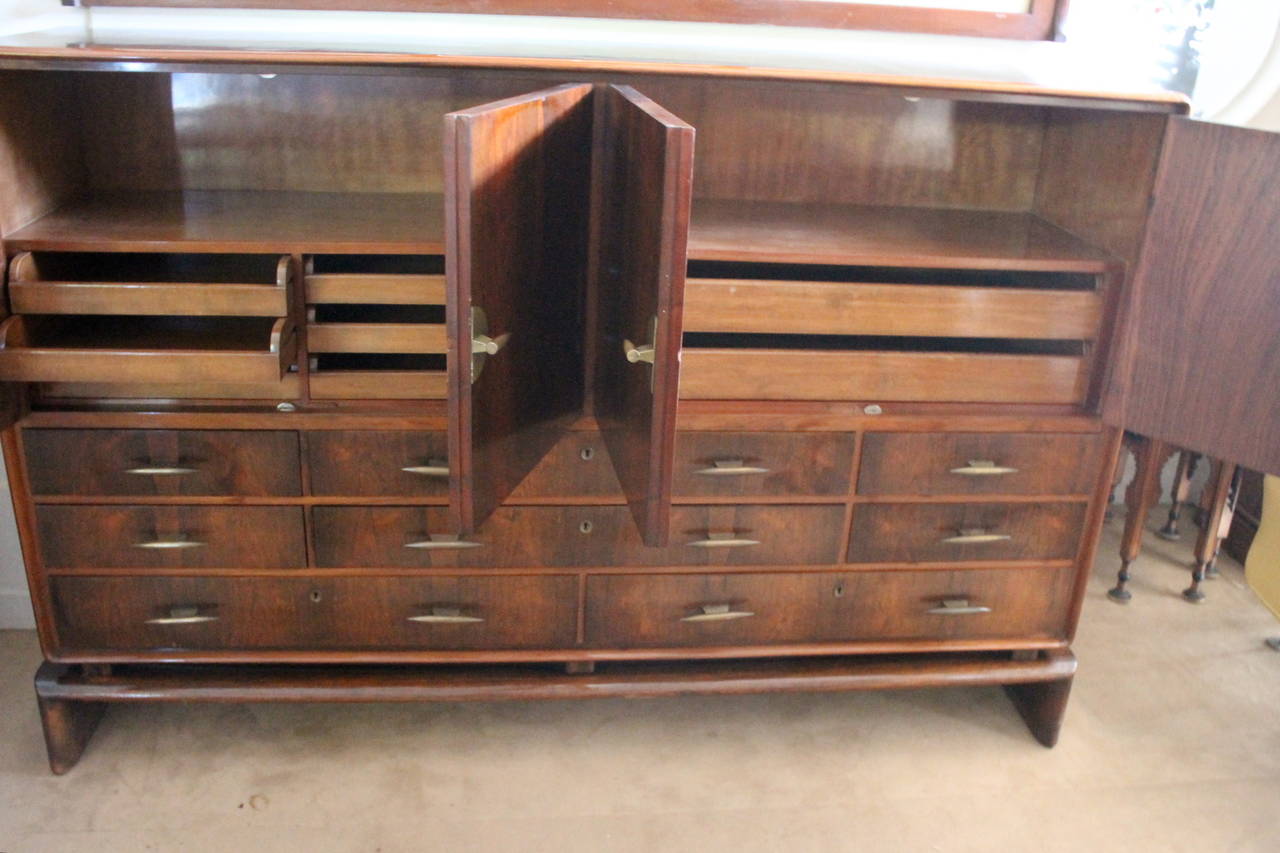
(642, 187)
(517, 200)
(1199, 364)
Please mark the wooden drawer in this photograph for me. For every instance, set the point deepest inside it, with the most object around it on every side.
(374, 462)
(171, 537)
(577, 466)
(745, 464)
(188, 350)
(644, 611)
(409, 537)
(945, 533)
(956, 463)
(392, 338)
(121, 613)
(155, 462)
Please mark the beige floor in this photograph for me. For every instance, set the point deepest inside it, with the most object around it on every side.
(1172, 742)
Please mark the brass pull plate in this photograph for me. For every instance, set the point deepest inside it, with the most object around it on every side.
(183, 614)
(442, 542)
(433, 468)
(957, 607)
(446, 616)
(730, 468)
(976, 536)
(717, 613)
(158, 471)
(983, 468)
(722, 540)
(177, 543)
(483, 346)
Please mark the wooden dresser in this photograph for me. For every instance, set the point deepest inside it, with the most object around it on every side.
(405, 378)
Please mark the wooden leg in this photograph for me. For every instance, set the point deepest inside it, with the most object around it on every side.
(1148, 455)
(67, 729)
(1178, 494)
(1042, 705)
(1218, 491)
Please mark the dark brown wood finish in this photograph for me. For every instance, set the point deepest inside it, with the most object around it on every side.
(171, 537)
(162, 463)
(374, 462)
(516, 197)
(1209, 266)
(68, 726)
(643, 175)
(746, 609)
(753, 464)
(922, 532)
(958, 463)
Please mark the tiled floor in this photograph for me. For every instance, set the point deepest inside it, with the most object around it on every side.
(1172, 742)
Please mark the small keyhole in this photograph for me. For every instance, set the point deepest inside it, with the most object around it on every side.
(315, 596)
(584, 527)
(587, 453)
(838, 591)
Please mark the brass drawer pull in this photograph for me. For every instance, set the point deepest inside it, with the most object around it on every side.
(722, 540)
(433, 468)
(717, 613)
(730, 468)
(957, 607)
(176, 543)
(976, 536)
(983, 468)
(446, 616)
(442, 542)
(161, 471)
(183, 614)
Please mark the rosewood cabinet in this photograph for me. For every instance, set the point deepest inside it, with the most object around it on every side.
(362, 378)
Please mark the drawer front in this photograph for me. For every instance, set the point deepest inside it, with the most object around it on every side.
(167, 463)
(132, 613)
(577, 466)
(416, 537)
(750, 464)
(171, 537)
(927, 533)
(644, 611)
(956, 463)
(374, 462)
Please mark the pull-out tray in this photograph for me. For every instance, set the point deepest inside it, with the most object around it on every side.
(150, 349)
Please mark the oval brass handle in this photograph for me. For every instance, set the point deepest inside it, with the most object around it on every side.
(446, 616)
(983, 468)
(183, 614)
(976, 536)
(716, 613)
(729, 468)
(433, 468)
(722, 540)
(442, 542)
(957, 607)
(177, 543)
(158, 471)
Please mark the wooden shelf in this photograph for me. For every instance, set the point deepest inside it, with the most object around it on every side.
(864, 235)
(236, 221)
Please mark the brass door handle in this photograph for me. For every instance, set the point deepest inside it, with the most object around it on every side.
(433, 468)
(637, 353)
(976, 536)
(957, 607)
(158, 471)
(722, 540)
(983, 468)
(483, 346)
(442, 542)
(730, 468)
(446, 616)
(176, 543)
(716, 613)
(183, 614)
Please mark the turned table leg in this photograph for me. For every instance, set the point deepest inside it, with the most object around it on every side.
(1149, 455)
(1178, 494)
(1218, 492)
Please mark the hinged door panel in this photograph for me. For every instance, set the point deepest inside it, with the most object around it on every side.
(517, 198)
(642, 188)
(1199, 363)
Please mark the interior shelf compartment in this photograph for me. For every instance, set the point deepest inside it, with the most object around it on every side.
(378, 377)
(376, 280)
(872, 235)
(240, 221)
(150, 284)
(146, 349)
(820, 299)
